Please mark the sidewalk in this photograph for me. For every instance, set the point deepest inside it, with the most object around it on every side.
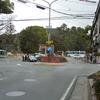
(79, 89)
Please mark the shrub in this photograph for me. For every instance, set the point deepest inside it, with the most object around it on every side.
(53, 59)
(62, 59)
(97, 54)
(96, 84)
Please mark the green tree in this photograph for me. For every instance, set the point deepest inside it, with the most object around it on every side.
(57, 41)
(74, 38)
(31, 37)
(63, 31)
(7, 42)
(6, 7)
(88, 28)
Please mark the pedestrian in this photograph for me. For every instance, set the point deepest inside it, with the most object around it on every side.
(91, 57)
(87, 57)
(23, 58)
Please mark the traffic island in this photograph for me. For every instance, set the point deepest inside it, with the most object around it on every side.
(47, 64)
(52, 59)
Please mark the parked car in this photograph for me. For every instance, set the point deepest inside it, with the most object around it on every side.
(38, 55)
(77, 56)
(32, 59)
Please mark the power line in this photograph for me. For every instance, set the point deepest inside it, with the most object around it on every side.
(44, 7)
(54, 18)
(86, 3)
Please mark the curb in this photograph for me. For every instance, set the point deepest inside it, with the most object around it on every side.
(48, 64)
(78, 89)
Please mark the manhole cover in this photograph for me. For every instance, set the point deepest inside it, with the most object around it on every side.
(15, 93)
(30, 80)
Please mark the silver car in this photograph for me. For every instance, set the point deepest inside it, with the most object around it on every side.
(32, 59)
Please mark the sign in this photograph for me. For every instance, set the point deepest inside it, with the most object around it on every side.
(48, 48)
(48, 27)
(48, 42)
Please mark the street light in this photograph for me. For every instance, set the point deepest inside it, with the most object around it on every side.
(41, 7)
(48, 27)
(49, 9)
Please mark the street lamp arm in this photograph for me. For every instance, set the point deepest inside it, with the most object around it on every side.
(53, 1)
(46, 2)
(49, 3)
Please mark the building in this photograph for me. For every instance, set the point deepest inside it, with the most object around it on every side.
(95, 32)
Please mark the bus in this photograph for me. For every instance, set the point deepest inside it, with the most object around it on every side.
(75, 54)
(2, 53)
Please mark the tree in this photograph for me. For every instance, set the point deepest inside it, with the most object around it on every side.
(63, 31)
(6, 7)
(7, 42)
(57, 41)
(31, 37)
(88, 28)
(6, 24)
(74, 38)
(10, 29)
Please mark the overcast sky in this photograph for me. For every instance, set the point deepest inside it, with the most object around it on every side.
(30, 11)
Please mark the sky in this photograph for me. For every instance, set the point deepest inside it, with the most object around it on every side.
(62, 11)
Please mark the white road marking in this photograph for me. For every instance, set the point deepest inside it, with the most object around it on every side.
(68, 89)
(19, 64)
(4, 78)
(15, 93)
(62, 67)
(30, 80)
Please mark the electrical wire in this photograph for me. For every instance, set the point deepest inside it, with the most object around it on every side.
(67, 17)
(44, 7)
(54, 18)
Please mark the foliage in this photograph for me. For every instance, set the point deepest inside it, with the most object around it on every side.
(71, 39)
(10, 29)
(31, 37)
(96, 84)
(7, 42)
(60, 59)
(57, 42)
(64, 39)
(97, 54)
(6, 7)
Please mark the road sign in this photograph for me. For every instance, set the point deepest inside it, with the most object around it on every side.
(48, 48)
(48, 42)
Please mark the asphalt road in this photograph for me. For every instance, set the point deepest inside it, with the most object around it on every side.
(27, 81)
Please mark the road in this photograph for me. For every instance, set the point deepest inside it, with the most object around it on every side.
(27, 81)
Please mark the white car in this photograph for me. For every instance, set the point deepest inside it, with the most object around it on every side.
(78, 56)
(32, 59)
(38, 55)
